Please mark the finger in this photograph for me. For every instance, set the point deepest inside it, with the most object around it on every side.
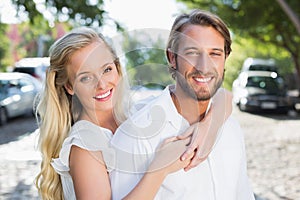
(191, 148)
(195, 141)
(187, 154)
(194, 162)
(169, 140)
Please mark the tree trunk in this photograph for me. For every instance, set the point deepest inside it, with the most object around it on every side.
(291, 14)
(297, 66)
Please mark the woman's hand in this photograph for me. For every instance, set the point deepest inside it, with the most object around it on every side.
(205, 133)
(167, 158)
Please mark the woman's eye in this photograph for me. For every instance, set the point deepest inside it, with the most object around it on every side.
(86, 79)
(107, 69)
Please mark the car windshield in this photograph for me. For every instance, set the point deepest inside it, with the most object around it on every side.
(3, 86)
(262, 68)
(267, 83)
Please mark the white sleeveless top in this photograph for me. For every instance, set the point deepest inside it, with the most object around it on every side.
(88, 136)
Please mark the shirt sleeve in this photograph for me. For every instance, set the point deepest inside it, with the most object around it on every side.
(87, 137)
(244, 188)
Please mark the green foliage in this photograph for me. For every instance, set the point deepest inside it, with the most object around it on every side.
(4, 45)
(76, 12)
(243, 48)
(145, 60)
(28, 46)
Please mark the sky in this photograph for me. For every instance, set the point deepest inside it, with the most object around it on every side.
(136, 14)
(133, 14)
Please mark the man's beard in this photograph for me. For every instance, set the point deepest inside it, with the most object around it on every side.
(203, 94)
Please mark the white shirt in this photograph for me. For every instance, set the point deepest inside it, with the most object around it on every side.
(222, 176)
(85, 135)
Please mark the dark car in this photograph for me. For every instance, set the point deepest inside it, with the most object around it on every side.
(17, 94)
(260, 90)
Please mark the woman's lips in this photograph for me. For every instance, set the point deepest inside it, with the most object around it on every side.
(103, 96)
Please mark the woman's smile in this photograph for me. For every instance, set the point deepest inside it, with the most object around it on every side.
(104, 96)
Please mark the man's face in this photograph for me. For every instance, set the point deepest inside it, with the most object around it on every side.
(200, 62)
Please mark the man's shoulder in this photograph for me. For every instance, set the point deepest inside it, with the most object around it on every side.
(232, 123)
(144, 106)
(232, 132)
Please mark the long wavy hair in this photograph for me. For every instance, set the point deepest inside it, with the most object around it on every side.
(56, 109)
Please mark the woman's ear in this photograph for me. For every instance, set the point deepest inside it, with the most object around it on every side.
(69, 88)
(172, 58)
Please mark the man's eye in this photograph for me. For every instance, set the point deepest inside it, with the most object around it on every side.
(192, 53)
(215, 54)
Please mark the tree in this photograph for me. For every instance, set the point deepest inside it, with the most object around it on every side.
(79, 12)
(263, 21)
(4, 45)
(146, 63)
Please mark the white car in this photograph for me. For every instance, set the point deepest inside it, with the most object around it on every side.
(35, 66)
(17, 94)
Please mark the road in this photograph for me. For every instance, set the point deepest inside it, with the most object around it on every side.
(272, 144)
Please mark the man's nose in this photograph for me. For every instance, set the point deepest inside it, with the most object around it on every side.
(203, 63)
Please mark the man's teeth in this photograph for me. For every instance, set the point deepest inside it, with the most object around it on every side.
(103, 95)
(203, 80)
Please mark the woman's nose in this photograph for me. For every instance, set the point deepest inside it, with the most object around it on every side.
(102, 83)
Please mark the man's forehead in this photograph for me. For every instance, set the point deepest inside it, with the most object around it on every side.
(201, 39)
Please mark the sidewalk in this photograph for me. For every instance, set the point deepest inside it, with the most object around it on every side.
(19, 164)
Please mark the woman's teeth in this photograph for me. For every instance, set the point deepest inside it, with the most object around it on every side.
(103, 95)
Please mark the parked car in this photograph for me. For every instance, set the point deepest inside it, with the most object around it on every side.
(258, 64)
(17, 94)
(35, 66)
(260, 90)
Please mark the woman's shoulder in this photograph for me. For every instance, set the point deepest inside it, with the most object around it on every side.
(85, 135)
(89, 136)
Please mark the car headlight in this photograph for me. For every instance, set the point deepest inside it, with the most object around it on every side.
(244, 100)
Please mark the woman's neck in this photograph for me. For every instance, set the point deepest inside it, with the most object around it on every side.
(102, 119)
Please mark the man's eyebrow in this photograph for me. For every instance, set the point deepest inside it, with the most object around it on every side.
(190, 48)
(218, 49)
(195, 48)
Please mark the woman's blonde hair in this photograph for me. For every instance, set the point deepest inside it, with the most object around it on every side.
(56, 109)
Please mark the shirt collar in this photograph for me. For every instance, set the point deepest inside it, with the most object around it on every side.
(175, 118)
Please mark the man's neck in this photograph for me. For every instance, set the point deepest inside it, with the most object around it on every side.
(191, 109)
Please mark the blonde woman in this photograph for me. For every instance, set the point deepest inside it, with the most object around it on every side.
(82, 105)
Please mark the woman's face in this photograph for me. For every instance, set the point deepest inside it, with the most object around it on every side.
(94, 78)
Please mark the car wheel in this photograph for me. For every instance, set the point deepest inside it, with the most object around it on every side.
(3, 116)
(242, 107)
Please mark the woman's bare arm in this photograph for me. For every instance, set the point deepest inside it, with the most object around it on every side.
(205, 132)
(89, 174)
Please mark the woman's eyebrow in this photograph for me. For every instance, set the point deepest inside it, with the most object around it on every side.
(86, 72)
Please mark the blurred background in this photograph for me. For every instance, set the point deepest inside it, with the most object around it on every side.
(263, 72)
